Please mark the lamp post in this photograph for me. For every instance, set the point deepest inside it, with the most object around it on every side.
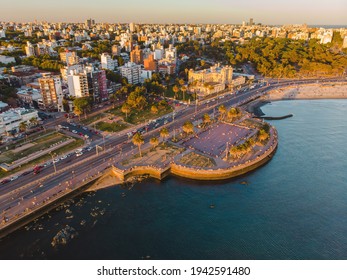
(55, 168)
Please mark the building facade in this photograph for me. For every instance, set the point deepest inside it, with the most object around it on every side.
(132, 72)
(52, 93)
(107, 62)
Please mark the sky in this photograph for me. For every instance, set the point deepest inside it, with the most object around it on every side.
(332, 12)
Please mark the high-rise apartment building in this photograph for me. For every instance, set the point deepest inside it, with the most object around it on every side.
(52, 93)
(107, 62)
(136, 55)
(90, 22)
(29, 49)
(150, 63)
(78, 85)
(88, 82)
(251, 22)
(132, 27)
(69, 58)
(116, 50)
(132, 72)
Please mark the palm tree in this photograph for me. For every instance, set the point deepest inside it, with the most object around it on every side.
(34, 121)
(184, 90)
(188, 127)
(154, 110)
(126, 110)
(138, 140)
(23, 126)
(154, 141)
(222, 110)
(175, 89)
(164, 133)
(181, 82)
(206, 119)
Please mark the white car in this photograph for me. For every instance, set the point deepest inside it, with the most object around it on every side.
(79, 154)
(14, 178)
(74, 131)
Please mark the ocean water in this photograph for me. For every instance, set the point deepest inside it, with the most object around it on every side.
(294, 207)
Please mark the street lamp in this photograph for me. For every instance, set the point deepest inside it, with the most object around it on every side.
(55, 168)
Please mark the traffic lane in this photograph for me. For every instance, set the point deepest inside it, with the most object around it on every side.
(80, 130)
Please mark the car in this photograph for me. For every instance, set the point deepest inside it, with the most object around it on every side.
(166, 121)
(63, 157)
(26, 172)
(84, 128)
(74, 131)
(14, 178)
(79, 154)
(89, 149)
(5, 181)
(86, 136)
(56, 160)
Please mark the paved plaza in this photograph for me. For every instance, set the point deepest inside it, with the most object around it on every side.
(214, 141)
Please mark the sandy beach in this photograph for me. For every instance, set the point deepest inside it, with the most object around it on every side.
(310, 91)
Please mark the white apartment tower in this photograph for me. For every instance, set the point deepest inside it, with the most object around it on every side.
(132, 72)
(78, 85)
(29, 49)
(107, 62)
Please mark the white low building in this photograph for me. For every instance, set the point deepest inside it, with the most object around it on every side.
(7, 59)
(11, 119)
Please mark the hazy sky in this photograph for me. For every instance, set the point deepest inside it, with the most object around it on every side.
(177, 11)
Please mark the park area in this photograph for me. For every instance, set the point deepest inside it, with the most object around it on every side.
(215, 140)
(35, 149)
(140, 116)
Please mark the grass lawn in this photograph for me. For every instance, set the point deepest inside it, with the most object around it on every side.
(41, 143)
(197, 160)
(137, 116)
(92, 119)
(71, 146)
(111, 127)
(34, 137)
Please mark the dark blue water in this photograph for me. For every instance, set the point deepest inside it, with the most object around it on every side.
(294, 207)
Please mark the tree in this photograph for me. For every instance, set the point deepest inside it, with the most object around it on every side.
(23, 126)
(34, 121)
(222, 110)
(206, 119)
(126, 109)
(164, 133)
(175, 89)
(66, 106)
(77, 111)
(184, 90)
(154, 141)
(188, 127)
(83, 105)
(202, 63)
(138, 140)
(233, 113)
(154, 109)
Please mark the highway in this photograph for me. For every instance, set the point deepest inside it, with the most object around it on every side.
(22, 194)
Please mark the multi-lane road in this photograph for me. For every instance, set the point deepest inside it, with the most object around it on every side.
(21, 195)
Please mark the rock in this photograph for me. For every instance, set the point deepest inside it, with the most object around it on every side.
(64, 236)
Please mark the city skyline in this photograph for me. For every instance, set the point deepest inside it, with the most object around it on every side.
(154, 11)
